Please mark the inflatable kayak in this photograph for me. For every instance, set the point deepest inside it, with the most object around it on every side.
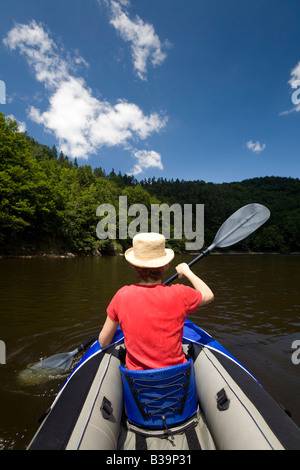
(228, 409)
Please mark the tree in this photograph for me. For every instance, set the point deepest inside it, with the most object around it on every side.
(49, 199)
(27, 204)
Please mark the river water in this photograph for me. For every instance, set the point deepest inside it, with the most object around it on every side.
(51, 305)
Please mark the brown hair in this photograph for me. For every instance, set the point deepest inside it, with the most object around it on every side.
(151, 274)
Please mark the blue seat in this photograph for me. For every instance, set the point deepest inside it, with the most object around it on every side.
(160, 398)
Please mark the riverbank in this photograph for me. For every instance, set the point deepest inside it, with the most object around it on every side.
(48, 249)
(96, 253)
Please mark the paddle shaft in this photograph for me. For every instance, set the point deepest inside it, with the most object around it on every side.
(87, 343)
(195, 260)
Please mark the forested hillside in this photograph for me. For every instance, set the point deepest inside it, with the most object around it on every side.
(48, 202)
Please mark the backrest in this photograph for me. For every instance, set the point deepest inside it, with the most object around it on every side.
(158, 398)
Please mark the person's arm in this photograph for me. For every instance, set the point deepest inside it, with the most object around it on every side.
(183, 270)
(107, 332)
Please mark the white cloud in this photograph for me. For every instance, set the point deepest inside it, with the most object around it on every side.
(145, 44)
(21, 124)
(295, 74)
(146, 159)
(81, 123)
(255, 147)
(40, 51)
(294, 82)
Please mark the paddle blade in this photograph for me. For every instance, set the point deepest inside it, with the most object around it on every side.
(61, 361)
(241, 224)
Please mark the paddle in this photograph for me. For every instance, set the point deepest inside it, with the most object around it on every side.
(63, 361)
(237, 227)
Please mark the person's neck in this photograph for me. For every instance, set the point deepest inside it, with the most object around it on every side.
(150, 283)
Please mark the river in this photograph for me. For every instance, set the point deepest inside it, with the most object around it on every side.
(51, 305)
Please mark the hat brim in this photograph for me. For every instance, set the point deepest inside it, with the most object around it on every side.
(152, 263)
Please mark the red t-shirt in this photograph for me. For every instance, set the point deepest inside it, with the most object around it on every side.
(152, 319)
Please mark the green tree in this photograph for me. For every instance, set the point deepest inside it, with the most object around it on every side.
(25, 195)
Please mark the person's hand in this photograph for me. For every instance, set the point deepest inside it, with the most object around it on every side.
(182, 270)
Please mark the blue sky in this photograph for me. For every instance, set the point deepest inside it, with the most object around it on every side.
(194, 89)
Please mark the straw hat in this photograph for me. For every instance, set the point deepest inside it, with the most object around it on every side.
(149, 251)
